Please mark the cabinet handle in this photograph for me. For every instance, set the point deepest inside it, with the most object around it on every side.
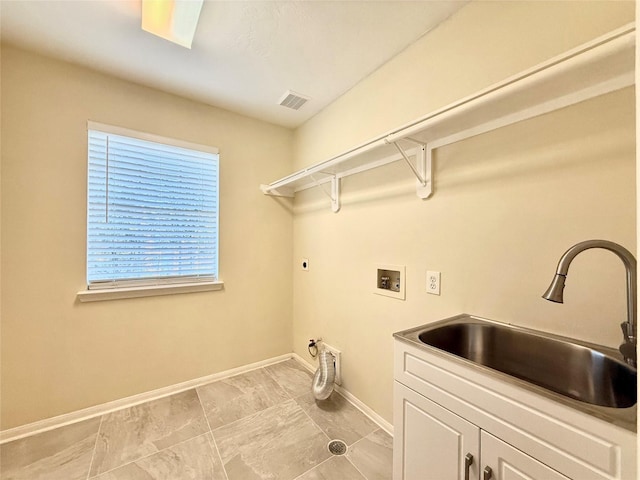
(487, 474)
(468, 461)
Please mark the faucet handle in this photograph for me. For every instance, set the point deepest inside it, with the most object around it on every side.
(627, 332)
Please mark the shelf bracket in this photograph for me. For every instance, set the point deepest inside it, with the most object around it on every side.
(423, 168)
(423, 157)
(334, 194)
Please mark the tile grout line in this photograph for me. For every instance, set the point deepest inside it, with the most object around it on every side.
(250, 415)
(323, 431)
(348, 446)
(149, 455)
(276, 380)
(95, 446)
(291, 399)
(313, 468)
(313, 421)
(357, 469)
(253, 414)
(303, 410)
(278, 384)
(152, 453)
(213, 438)
(346, 455)
(353, 445)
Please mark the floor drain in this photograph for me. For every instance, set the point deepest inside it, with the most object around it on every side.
(337, 447)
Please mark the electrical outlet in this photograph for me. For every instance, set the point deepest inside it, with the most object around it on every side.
(433, 283)
(305, 264)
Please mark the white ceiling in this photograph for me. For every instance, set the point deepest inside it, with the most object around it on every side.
(245, 54)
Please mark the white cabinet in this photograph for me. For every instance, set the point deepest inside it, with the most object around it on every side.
(445, 408)
(436, 444)
(433, 443)
(500, 461)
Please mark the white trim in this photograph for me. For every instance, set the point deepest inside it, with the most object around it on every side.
(149, 282)
(150, 137)
(351, 398)
(365, 409)
(102, 409)
(147, 291)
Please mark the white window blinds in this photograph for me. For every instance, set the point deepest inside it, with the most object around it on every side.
(152, 210)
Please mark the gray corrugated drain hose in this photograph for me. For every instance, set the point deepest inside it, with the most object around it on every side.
(324, 377)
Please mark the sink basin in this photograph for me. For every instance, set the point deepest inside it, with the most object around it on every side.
(577, 371)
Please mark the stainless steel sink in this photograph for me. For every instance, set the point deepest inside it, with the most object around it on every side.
(591, 374)
(566, 368)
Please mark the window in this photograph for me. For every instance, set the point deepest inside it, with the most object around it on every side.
(152, 210)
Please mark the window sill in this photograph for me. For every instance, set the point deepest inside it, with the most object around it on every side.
(147, 291)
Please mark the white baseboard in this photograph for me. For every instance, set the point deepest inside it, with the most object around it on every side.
(355, 401)
(98, 410)
(104, 408)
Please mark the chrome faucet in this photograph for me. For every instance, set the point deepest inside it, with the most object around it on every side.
(629, 328)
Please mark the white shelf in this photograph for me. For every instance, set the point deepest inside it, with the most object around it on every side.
(601, 66)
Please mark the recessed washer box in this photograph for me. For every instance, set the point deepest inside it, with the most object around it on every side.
(390, 281)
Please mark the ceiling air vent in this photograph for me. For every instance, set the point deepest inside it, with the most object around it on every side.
(293, 100)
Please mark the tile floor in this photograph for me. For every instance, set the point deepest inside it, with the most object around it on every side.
(263, 424)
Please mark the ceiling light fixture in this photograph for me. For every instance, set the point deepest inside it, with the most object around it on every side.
(173, 20)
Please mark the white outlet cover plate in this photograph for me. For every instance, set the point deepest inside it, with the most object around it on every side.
(433, 282)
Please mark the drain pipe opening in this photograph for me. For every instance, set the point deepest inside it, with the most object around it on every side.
(337, 447)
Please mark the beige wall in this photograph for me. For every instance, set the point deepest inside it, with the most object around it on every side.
(506, 205)
(59, 355)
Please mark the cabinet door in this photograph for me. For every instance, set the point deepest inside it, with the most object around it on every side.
(509, 463)
(430, 442)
